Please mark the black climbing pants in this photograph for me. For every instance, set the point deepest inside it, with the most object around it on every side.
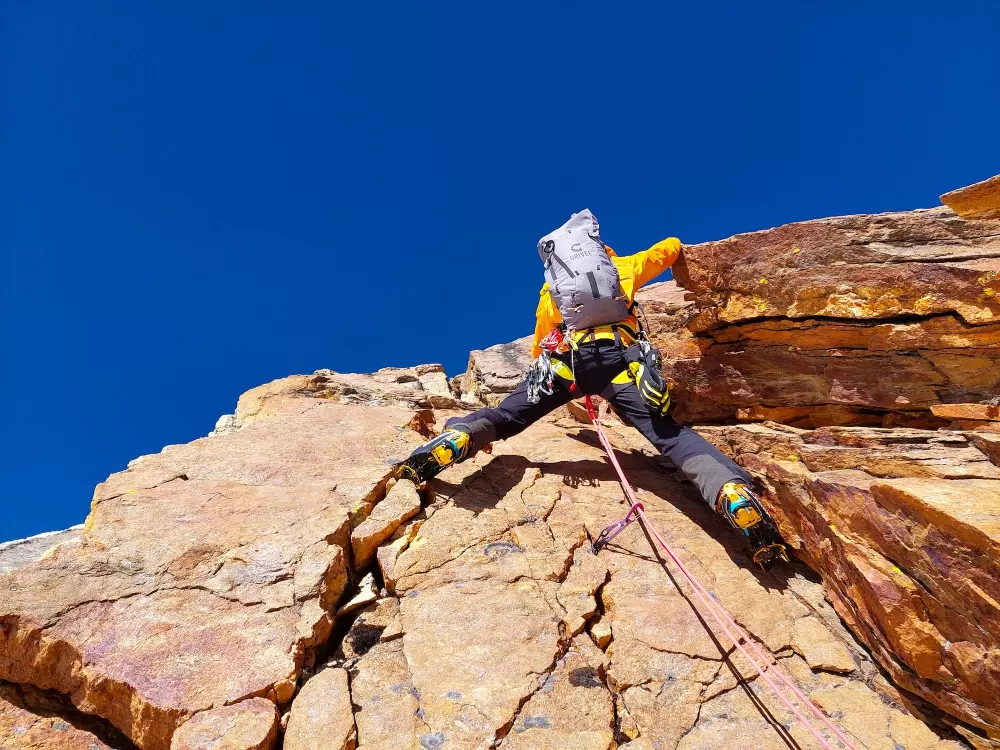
(597, 364)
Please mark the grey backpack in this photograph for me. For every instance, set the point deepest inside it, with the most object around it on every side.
(583, 280)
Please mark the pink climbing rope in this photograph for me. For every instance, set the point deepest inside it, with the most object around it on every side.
(763, 664)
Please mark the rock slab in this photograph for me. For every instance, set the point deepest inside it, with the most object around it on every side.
(904, 528)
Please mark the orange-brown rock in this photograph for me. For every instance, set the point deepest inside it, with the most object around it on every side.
(853, 320)
(33, 720)
(904, 528)
(868, 267)
(572, 709)
(250, 725)
(322, 717)
(208, 574)
(979, 201)
(421, 387)
(968, 412)
(499, 575)
(400, 504)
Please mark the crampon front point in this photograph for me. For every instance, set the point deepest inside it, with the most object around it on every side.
(434, 456)
(744, 510)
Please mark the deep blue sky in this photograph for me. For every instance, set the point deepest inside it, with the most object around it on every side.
(196, 198)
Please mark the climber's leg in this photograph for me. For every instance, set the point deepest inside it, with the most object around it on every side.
(463, 437)
(723, 484)
(706, 466)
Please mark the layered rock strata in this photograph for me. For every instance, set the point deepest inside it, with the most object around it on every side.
(904, 528)
(854, 320)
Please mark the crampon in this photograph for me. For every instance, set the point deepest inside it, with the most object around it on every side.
(744, 510)
(434, 456)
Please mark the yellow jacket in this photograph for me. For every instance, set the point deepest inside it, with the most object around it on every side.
(634, 271)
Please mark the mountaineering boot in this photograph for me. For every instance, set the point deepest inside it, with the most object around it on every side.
(431, 458)
(744, 511)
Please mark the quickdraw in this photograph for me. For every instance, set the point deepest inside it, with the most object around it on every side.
(609, 533)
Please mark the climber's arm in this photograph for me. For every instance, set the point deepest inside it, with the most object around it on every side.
(650, 263)
(547, 317)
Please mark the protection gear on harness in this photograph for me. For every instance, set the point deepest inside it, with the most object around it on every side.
(646, 368)
(583, 280)
(542, 376)
(744, 510)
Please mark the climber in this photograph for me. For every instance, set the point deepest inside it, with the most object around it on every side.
(588, 341)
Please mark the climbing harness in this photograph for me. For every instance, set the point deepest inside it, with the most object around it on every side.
(766, 666)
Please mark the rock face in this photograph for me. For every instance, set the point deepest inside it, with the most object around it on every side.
(854, 320)
(264, 587)
(23, 551)
(207, 579)
(421, 387)
(506, 630)
(208, 573)
(904, 527)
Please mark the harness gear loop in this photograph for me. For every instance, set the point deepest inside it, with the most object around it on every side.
(766, 666)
